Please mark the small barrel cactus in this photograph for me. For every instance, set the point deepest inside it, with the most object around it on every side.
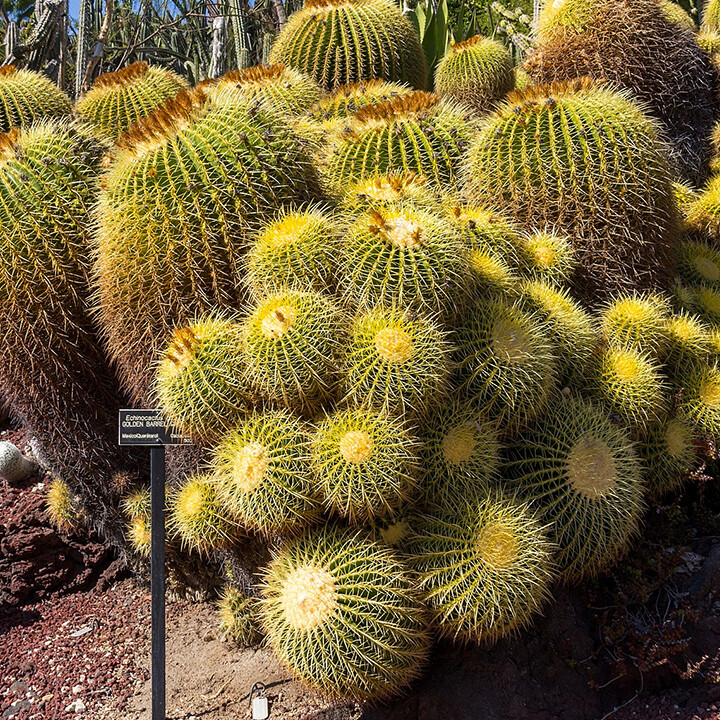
(239, 617)
(365, 464)
(292, 342)
(670, 455)
(396, 362)
(636, 320)
(262, 470)
(699, 263)
(27, 96)
(14, 466)
(340, 42)
(688, 340)
(201, 381)
(343, 614)
(119, 99)
(582, 474)
(547, 256)
(63, 506)
(483, 567)
(137, 506)
(703, 214)
(700, 404)
(421, 132)
(477, 72)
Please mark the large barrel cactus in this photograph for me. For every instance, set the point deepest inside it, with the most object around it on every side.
(184, 191)
(585, 159)
(52, 369)
(119, 99)
(633, 44)
(27, 96)
(338, 42)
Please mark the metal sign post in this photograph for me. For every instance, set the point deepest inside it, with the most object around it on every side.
(147, 427)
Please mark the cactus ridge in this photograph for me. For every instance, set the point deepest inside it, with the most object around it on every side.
(607, 185)
(348, 41)
(477, 72)
(201, 380)
(670, 455)
(197, 517)
(395, 362)
(182, 196)
(296, 251)
(365, 464)
(283, 88)
(119, 99)
(27, 97)
(581, 472)
(262, 471)
(419, 132)
(505, 360)
(484, 567)
(406, 257)
(631, 383)
(460, 456)
(292, 343)
(342, 613)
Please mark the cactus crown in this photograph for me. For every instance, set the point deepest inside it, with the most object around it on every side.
(347, 99)
(419, 103)
(122, 77)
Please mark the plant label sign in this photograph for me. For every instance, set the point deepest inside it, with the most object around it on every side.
(147, 427)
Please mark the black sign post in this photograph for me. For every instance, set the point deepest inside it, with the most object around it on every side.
(147, 427)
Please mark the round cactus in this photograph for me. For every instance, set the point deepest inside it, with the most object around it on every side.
(119, 99)
(571, 328)
(27, 96)
(262, 470)
(400, 256)
(201, 381)
(63, 506)
(137, 506)
(484, 567)
(461, 455)
(706, 301)
(547, 256)
(53, 371)
(365, 464)
(292, 343)
(700, 404)
(704, 214)
(343, 614)
(340, 42)
(636, 320)
(383, 190)
(476, 72)
(629, 43)
(699, 263)
(347, 99)
(185, 190)
(284, 89)
(506, 362)
(14, 466)
(630, 383)
(687, 341)
(669, 452)
(678, 15)
(395, 362)
(197, 517)
(620, 214)
(582, 474)
(420, 132)
(239, 618)
(296, 251)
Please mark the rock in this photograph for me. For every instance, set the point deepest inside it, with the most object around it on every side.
(77, 689)
(80, 706)
(16, 708)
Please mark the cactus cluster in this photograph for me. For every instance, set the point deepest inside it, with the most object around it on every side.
(27, 97)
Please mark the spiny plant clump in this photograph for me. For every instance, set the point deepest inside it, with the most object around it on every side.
(634, 45)
(700, 404)
(239, 617)
(484, 567)
(636, 320)
(703, 215)
(669, 452)
(283, 88)
(612, 197)
(200, 381)
(698, 263)
(27, 97)
(420, 132)
(119, 99)
(477, 72)
(582, 474)
(262, 470)
(366, 464)
(137, 507)
(547, 256)
(342, 612)
(400, 256)
(340, 42)
(63, 507)
(296, 251)
(184, 192)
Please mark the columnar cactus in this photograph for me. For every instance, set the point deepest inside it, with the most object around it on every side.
(612, 196)
(477, 72)
(119, 99)
(343, 614)
(339, 42)
(27, 96)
